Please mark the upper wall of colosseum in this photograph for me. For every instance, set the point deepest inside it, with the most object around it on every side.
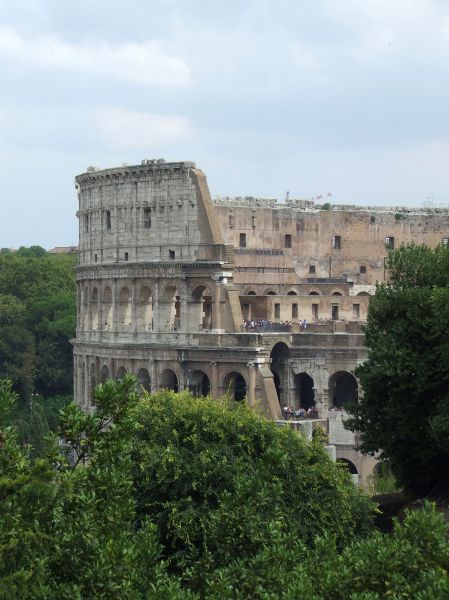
(155, 211)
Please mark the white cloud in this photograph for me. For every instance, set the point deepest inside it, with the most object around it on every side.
(129, 129)
(139, 63)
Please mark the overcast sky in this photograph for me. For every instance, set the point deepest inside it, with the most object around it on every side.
(341, 96)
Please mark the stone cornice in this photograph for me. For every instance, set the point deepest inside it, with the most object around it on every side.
(133, 173)
(157, 269)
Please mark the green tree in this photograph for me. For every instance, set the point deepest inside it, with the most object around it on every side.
(404, 411)
(221, 482)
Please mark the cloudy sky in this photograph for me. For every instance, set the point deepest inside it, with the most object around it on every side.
(341, 96)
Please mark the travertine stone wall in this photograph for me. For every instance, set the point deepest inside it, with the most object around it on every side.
(359, 257)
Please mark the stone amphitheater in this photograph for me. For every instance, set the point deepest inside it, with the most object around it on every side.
(208, 295)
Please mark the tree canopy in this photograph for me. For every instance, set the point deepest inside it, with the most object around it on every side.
(404, 410)
(37, 320)
(136, 506)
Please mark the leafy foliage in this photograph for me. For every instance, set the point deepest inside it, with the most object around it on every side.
(404, 412)
(220, 482)
(87, 522)
(37, 320)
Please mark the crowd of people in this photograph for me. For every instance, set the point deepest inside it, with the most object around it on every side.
(268, 325)
(299, 413)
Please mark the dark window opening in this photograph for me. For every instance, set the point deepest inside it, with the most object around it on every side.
(389, 242)
(335, 311)
(108, 219)
(253, 221)
(277, 311)
(171, 254)
(315, 312)
(126, 255)
(86, 223)
(336, 242)
(147, 218)
(242, 241)
(96, 257)
(312, 269)
(288, 240)
(294, 311)
(362, 269)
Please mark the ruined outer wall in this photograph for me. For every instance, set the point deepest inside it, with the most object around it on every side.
(144, 212)
(362, 236)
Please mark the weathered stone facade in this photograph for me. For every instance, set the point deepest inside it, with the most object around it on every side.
(166, 278)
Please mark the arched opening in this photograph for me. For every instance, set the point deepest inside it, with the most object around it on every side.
(270, 293)
(145, 309)
(336, 294)
(170, 309)
(199, 384)
(169, 381)
(343, 389)
(107, 307)
(304, 391)
(235, 385)
(313, 293)
(85, 309)
(93, 382)
(94, 309)
(121, 373)
(200, 308)
(251, 293)
(104, 375)
(280, 354)
(292, 293)
(124, 308)
(363, 294)
(143, 380)
(349, 465)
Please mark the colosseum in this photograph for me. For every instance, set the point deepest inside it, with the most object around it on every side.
(260, 299)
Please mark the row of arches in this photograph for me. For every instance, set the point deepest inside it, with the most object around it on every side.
(198, 381)
(342, 386)
(312, 292)
(100, 310)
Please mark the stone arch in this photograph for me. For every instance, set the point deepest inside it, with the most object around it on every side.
(313, 293)
(169, 380)
(336, 292)
(363, 294)
(200, 308)
(104, 375)
(235, 385)
(343, 389)
(107, 307)
(304, 391)
(145, 308)
(85, 308)
(93, 382)
(124, 317)
(199, 383)
(292, 293)
(280, 353)
(170, 309)
(94, 309)
(349, 465)
(269, 292)
(144, 380)
(251, 293)
(121, 372)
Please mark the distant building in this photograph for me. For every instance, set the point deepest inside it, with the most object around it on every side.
(64, 250)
